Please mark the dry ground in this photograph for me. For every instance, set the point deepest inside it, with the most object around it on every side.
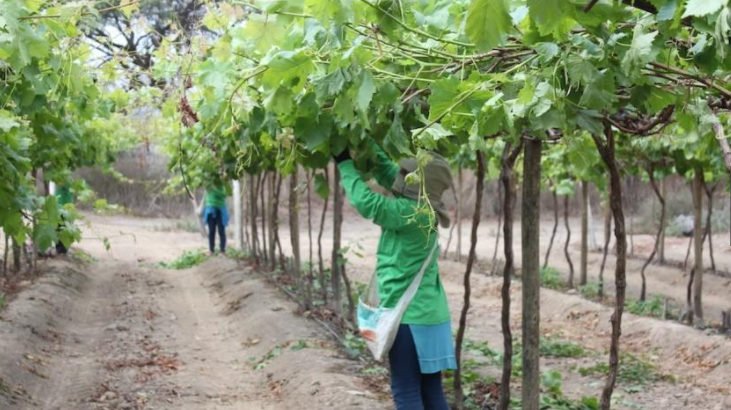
(123, 333)
(699, 363)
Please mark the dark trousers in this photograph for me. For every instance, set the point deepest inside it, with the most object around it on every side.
(411, 389)
(60, 247)
(215, 221)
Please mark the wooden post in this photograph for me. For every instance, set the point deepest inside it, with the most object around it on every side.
(726, 321)
(556, 220)
(530, 220)
(264, 217)
(698, 246)
(566, 244)
(663, 222)
(238, 224)
(584, 233)
(253, 187)
(273, 220)
(460, 202)
(320, 260)
(294, 237)
(337, 299)
(16, 255)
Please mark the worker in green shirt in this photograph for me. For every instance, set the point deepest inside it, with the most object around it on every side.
(63, 196)
(215, 214)
(423, 347)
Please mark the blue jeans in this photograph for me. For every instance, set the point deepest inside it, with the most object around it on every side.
(411, 389)
(215, 222)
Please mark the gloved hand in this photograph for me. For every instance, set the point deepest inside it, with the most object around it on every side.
(343, 156)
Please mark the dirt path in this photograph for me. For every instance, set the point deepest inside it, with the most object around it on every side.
(122, 333)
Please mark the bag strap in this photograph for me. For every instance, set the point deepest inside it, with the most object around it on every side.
(372, 298)
(371, 292)
(410, 292)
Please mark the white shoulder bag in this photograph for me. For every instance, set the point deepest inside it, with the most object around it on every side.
(379, 325)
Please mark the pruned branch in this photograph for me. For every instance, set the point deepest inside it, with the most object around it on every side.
(688, 75)
(590, 5)
(639, 124)
(723, 143)
(643, 5)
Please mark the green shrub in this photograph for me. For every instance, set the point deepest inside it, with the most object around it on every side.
(551, 347)
(590, 290)
(4, 389)
(187, 260)
(236, 253)
(554, 398)
(2, 300)
(375, 370)
(81, 256)
(102, 206)
(482, 348)
(188, 225)
(551, 278)
(652, 307)
(263, 361)
(632, 370)
(355, 346)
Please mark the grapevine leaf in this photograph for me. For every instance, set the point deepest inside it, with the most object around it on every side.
(322, 188)
(600, 94)
(266, 33)
(396, 140)
(327, 11)
(640, 52)
(565, 187)
(215, 74)
(581, 71)
(429, 137)
(289, 68)
(330, 84)
(547, 51)
(492, 117)
(590, 120)
(280, 101)
(700, 8)
(8, 121)
(488, 21)
(442, 95)
(548, 14)
(130, 9)
(365, 91)
(667, 10)
(312, 133)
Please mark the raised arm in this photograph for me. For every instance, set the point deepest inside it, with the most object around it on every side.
(385, 170)
(389, 213)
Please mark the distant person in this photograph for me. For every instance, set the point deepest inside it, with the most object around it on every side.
(423, 347)
(63, 196)
(215, 214)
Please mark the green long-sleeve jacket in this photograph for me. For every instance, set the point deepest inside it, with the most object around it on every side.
(407, 237)
(215, 196)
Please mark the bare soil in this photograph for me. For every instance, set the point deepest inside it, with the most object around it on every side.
(694, 366)
(123, 333)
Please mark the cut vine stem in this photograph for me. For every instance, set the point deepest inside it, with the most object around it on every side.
(480, 176)
(507, 181)
(608, 154)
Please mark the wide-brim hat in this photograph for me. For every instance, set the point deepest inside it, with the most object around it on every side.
(437, 177)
